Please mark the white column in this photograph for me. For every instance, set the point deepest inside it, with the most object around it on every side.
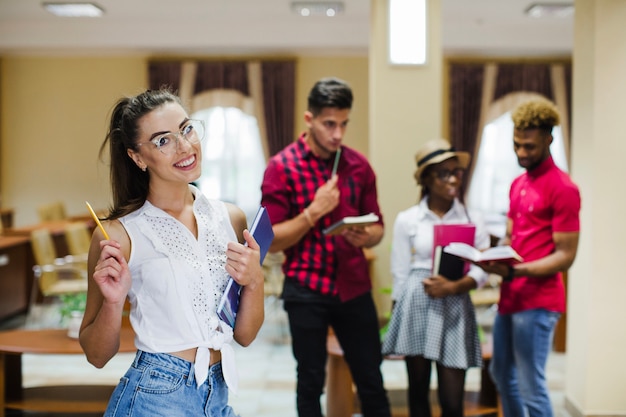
(405, 112)
(596, 337)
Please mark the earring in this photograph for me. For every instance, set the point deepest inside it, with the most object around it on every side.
(143, 168)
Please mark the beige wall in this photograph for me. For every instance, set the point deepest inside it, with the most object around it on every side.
(407, 102)
(54, 113)
(354, 70)
(596, 366)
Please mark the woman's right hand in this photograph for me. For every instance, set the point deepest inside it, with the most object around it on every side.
(439, 286)
(111, 272)
(109, 284)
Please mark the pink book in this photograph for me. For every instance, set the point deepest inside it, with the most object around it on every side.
(446, 264)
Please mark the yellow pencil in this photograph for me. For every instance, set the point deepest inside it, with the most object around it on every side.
(93, 214)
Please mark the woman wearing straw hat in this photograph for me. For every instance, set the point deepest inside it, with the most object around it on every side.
(433, 317)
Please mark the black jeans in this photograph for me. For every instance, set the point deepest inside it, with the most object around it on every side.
(356, 326)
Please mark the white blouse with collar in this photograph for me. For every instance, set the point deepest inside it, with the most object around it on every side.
(412, 244)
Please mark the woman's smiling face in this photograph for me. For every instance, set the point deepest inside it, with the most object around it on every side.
(182, 165)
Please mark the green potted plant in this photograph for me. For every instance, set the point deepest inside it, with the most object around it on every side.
(72, 310)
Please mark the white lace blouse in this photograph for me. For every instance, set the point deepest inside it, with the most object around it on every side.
(177, 281)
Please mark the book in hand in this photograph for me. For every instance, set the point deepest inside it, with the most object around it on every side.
(450, 266)
(350, 221)
(504, 254)
(262, 232)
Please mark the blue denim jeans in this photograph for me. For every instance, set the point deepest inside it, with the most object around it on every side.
(158, 384)
(521, 345)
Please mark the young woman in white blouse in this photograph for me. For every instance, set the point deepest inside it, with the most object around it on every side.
(170, 251)
(433, 319)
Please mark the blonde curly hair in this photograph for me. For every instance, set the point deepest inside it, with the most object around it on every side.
(536, 114)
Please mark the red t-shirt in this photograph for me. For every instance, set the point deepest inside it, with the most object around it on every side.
(542, 201)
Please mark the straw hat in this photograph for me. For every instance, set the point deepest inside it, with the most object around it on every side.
(435, 151)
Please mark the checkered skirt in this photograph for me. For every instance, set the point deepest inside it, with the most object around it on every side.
(440, 329)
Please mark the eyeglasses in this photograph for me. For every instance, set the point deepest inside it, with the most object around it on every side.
(445, 174)
(167, 143)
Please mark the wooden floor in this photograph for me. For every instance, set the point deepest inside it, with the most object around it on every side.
(399, 406)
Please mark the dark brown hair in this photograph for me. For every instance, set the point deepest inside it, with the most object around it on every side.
(329, 92)
(129, 184)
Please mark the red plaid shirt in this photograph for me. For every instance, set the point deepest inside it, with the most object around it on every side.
(327, 265)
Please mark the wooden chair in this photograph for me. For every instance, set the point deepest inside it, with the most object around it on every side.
(53, 276)
(52, 211)
(6, 218)
(78, 240)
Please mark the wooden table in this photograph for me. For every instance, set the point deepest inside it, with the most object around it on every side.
(16, 262)
(52, 399)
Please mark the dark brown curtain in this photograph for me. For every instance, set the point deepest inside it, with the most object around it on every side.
(568, 89)
(466, 91)
(278, 89)
(279, 103)
(523, 77)
(222, 76)
(164, 74)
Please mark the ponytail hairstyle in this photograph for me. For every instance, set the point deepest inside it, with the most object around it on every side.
(129, 184)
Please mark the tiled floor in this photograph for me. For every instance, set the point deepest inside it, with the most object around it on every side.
(266, 371)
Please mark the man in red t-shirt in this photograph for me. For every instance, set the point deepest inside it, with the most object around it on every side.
(543, 226)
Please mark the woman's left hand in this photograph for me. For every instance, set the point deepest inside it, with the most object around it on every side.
(438, 286)
(243, 262)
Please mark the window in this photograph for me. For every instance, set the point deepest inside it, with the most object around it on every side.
(407, 32)
(232, 158)
(495, 168)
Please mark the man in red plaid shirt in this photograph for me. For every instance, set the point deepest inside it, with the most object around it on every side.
(327, 280)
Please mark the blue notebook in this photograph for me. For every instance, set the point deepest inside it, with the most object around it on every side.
(262, 232)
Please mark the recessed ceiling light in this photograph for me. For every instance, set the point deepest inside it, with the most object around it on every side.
(560, 10)
(74, 9)
(315, 8)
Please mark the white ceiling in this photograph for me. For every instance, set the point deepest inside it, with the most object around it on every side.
(245, 27)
